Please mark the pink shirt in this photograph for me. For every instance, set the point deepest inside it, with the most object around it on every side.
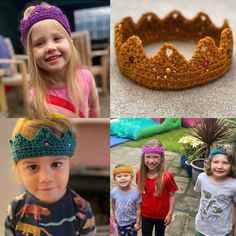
(59, 103)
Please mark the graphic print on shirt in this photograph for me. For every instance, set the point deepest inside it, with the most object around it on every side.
(81, 202)
(124, 210)
(37, 211)
(31, 229)
(212, 206)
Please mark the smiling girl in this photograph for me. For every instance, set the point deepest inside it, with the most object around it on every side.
(158, 189)
(41, 153)
(60, 88)
(125, 201)
(217, 188)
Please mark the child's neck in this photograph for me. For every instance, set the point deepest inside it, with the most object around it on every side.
(152, 173)
(57, 80)
(126, 188)
(216, 179)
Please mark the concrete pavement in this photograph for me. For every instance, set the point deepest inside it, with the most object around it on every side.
(187, 201)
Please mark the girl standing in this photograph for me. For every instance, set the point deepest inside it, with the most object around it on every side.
(217, 187)
(125, 201)
(60, 88)
(158, 189)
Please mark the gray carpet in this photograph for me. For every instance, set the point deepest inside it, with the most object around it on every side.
(216, 99)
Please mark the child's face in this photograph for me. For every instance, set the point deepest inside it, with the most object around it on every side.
(220, 166)
(51, 49)
(45, 177)
(152, 160)
(123, 180)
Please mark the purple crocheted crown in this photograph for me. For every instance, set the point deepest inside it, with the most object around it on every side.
(41, 13)
(153, 149)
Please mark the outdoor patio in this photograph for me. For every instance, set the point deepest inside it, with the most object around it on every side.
(187, 200)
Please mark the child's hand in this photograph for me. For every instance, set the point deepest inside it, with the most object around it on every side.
(137, 226)
(113, 218)
(168, 219)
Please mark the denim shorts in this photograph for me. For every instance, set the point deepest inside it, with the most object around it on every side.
(127, 230)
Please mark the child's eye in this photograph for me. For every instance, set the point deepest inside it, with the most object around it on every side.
(32, 168)
(57, 38)
(38, 44)
(56, 165)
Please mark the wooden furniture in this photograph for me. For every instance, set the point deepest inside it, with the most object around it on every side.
(82, 43)
(15, 75)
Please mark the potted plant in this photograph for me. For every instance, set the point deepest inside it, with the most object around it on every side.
(208, 131)
(189, 148)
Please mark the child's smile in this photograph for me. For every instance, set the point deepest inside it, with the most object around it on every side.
(220, 166)
(152, 161)
(51, 48)
(123, 180)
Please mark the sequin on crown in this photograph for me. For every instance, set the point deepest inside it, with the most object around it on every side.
(41, 13)
(44, 143)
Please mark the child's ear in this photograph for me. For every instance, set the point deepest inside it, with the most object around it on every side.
(73, 160)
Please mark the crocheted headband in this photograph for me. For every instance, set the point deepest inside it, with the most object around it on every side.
(44, 143)
(153, 149)
(216, 151)
(122, 169)
(168, 69)
(41, 13)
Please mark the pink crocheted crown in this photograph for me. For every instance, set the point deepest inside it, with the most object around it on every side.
(41, 13)
(153, 149)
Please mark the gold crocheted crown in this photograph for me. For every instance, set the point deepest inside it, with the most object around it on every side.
(168, 69)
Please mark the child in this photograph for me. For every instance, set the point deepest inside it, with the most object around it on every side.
(217, 187)
(158, 189)
(41, 151)
(59, 87)
(125, 202)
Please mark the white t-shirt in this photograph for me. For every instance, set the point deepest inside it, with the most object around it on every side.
(214, 217)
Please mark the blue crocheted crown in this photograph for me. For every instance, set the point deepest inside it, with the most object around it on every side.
(44, 143)
(216, 151)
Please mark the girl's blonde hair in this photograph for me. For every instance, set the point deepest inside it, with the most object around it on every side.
(29, 127)
(39, 79)
(230, 153)
(144, 171)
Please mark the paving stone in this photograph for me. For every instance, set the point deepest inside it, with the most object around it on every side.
(181, 179)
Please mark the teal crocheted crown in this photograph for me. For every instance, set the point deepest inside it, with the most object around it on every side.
(44, 143)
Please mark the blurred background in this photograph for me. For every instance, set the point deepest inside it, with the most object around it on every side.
(90, 25)
(89, 175)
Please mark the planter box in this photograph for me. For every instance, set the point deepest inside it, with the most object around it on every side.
(197, 168)
(188, 168)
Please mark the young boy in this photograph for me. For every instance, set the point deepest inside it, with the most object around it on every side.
(126, 201)
(41, 151)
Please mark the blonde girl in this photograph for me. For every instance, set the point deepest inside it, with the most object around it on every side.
(41, 154)
(158, 189)
(125, 201)
(60, 87)
(217, 188)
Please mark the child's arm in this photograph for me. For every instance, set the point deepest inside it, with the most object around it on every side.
(9, 227)
(234, 219)
(171, 208)
(94, 101)
(113, 204)
(137, 225)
